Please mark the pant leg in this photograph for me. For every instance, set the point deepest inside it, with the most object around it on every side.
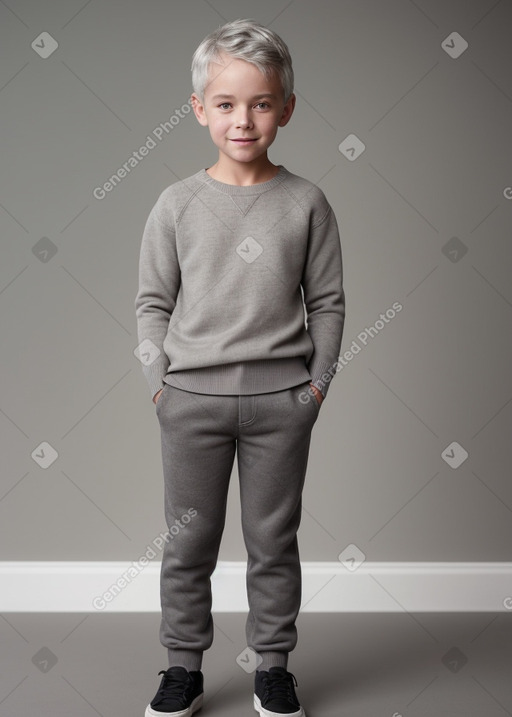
(273, 448)
(198, 447)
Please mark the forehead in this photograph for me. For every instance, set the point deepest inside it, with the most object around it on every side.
(231, 76)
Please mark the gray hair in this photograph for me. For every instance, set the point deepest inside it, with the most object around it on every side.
(245, 40)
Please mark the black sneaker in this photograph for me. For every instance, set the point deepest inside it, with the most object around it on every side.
(180, 694)
(274, 694)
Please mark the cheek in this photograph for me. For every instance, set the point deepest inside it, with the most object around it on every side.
(269, 125)
(219, 127)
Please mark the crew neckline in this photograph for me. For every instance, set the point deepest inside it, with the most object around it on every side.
(237, 189)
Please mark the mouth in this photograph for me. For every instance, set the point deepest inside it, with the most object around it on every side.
(243, 140)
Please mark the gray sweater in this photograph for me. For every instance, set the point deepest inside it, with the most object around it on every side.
(240, 287)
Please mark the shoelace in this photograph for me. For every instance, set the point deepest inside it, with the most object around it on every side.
(172, 686)
(279, 686)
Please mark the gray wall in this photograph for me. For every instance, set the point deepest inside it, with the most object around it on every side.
(431, 185)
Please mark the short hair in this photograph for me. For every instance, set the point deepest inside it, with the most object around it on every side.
(247, 40)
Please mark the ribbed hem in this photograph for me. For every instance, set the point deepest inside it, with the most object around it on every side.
(272, 659)
(191, 660)
(242, 379)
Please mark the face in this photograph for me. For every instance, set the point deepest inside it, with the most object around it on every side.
(242, 109)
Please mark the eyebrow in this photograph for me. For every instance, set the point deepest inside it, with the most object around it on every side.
(256, 97)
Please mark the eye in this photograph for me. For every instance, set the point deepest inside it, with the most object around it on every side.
(265, 105)
(225, 105)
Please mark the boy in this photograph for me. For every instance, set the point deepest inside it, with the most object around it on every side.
(230, 258)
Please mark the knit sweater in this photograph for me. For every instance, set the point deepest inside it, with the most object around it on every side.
(240, 287)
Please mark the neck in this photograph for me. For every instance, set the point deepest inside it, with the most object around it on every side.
(243, 173)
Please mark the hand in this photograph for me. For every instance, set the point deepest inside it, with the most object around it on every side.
(157, 396)
(318, 395)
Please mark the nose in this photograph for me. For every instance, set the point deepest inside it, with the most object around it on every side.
(243, 120)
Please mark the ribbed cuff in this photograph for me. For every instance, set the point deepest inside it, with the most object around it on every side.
(272, 659)
(154, 374)
(322, 374)
(191, 660)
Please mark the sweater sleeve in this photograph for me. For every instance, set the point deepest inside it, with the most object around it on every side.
(324, 297)
(159, 282)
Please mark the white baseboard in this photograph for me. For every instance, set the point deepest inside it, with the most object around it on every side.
(327, 587)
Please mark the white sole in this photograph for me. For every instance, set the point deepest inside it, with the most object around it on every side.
(266, 713)
(194, 707)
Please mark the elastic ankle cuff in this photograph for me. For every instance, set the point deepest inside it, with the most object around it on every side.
(273, 659)
(191, 660)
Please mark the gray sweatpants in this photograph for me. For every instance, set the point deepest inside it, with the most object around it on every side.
(200, 433)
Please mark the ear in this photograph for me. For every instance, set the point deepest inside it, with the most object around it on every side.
(198, 108)
(287, 111)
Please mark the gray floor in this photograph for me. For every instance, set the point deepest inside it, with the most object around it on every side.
(385, 665)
